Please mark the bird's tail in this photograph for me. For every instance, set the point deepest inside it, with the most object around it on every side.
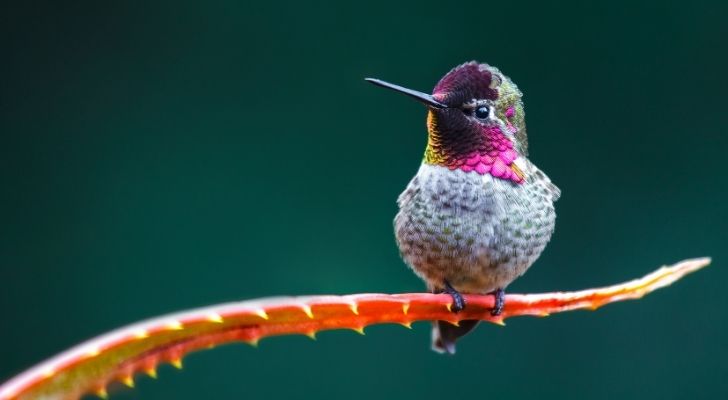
(445, 334)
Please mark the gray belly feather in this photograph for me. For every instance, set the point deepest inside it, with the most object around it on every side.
(477, 232)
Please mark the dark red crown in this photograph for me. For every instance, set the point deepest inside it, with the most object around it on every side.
(464, 83)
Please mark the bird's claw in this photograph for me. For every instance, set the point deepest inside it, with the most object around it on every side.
(499, 303)
(458, 302)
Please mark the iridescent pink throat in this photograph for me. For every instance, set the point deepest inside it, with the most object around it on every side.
(496, 158)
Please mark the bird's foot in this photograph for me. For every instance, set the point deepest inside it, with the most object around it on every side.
(458, 302)
(500, 299)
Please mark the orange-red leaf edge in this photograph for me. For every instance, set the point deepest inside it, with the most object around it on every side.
(139, 348)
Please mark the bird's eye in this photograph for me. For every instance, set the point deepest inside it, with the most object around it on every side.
(482, 112)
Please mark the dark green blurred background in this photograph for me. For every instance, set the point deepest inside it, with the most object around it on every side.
(167, 156)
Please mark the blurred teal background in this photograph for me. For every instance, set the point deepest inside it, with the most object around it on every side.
(170, 155)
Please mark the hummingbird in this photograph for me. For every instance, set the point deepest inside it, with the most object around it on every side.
(478, 212)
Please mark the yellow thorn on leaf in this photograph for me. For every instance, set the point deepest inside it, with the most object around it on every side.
(93, 352)
(261, 313)
(498, 321)
(307, 309)
(405, 308)
(253, 342)
(176, 362)
(454, 323)
(359, 330)
(141, 334)
(152, 372)
(174, 326)
(102, 393)
(48, 372)
(128, 381)
(311, 334)
(354, 308)
(407, 325)
(217, 318)
(449, 307)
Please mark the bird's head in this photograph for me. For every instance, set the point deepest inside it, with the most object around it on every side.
(475, 121)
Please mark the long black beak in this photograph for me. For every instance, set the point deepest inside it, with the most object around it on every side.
(422, 97)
